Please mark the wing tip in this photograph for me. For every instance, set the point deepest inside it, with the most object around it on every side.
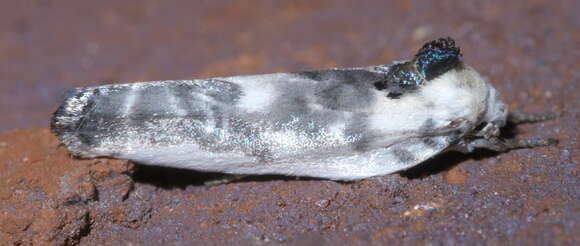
(69, 117)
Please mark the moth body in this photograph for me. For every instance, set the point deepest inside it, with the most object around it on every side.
(340, 124)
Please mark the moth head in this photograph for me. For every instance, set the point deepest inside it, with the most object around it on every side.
(437, 57)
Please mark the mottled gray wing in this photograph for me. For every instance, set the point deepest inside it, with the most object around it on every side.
(96, 121)
(112, 120)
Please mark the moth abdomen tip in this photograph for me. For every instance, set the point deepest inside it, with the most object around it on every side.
(437, 57)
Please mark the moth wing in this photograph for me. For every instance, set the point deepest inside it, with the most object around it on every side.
(166, 123)
(112, 120)
(115, 120)
(401, 155)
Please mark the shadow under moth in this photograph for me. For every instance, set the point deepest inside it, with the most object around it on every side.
(339, 124)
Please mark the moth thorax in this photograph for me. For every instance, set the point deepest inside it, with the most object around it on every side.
(437, 57)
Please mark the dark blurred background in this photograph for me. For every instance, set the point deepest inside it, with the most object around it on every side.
(48, 46)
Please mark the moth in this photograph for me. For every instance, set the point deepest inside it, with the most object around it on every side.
(339, 124)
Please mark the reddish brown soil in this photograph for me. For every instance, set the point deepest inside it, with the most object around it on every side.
(48, 197)
(528, 50)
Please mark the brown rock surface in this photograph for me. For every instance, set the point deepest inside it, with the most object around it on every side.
(47, 196)
(528, 49)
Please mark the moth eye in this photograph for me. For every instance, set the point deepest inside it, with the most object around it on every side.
(437, 57)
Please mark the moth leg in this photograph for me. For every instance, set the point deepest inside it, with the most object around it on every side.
(503, 145)
(226, 179)
(522, 117)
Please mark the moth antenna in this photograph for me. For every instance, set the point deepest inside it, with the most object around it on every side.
(504, 145)
(515, 143)
(516, 118)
